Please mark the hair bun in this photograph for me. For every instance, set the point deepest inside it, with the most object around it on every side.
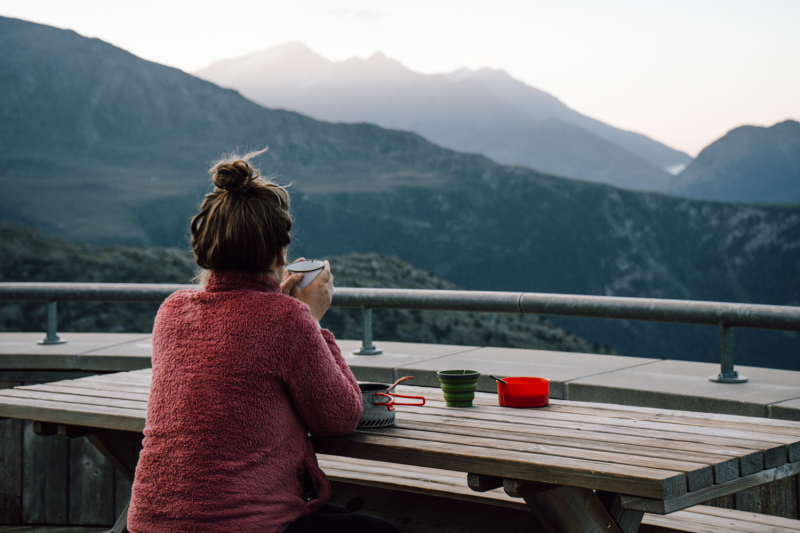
(233, 176)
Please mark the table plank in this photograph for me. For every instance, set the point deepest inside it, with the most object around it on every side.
(765, 426)
(491, 399)
(760, 425)
(787, 427)
(412, 472)
(725, 466)
(143, 380)
(512, 464)
(776, 451)
(73, 414)
(590, 430)
(103, 386)
(698, 474)
(666, 506)
(554, 431)
(545, 413)
(707, 523)
(770, 430)
(47, 387)
(419, 479)
(732, 422)
(73, 399)
(757, 518)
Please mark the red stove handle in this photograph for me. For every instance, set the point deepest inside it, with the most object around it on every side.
(410, 398)
(390, 404)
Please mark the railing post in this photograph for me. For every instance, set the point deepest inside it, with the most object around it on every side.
(367, 348)
(52, 323)
(728, 374)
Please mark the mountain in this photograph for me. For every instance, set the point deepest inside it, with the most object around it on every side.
(100, 147)
(748, 164)
(484, 111)
(28, 256)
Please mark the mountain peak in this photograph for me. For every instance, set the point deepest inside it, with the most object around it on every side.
(357, 70)
(752, 163)
(382, 61)
(281, 51)
(294, 54)
(378, 56)
(787, 125)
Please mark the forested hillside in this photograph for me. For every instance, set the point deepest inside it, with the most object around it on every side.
(27, 255)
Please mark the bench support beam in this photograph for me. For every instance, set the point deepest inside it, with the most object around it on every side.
(483, 483)
(121, 525)
(627, 520)
(519, 489)
(121, 448)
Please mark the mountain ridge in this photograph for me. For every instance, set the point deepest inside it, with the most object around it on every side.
(482, 111)
(761, 164)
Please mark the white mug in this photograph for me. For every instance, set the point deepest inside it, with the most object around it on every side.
(310, 269)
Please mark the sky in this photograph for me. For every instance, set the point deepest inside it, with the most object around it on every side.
(682, 72)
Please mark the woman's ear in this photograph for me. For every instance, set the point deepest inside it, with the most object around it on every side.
(281, 259)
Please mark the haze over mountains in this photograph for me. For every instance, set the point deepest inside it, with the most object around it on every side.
(488, 112)
(98, 146)
(484, 111)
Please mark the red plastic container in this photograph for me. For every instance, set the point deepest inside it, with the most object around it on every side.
(524, 392)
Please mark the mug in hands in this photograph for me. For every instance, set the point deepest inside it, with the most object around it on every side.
(310, 269)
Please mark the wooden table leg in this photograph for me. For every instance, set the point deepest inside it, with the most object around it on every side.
(565, 509)
(574, 510)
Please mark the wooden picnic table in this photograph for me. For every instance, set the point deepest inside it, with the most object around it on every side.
(579, 466)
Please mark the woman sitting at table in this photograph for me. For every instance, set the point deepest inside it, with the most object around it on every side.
(242, 372)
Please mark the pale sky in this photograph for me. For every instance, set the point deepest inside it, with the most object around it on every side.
(681, 71)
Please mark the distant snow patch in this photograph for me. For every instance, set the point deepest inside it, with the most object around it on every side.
(676, 169)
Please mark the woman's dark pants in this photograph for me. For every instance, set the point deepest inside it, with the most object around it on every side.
(334, 519)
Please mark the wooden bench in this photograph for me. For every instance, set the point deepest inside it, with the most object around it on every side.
(427, 500)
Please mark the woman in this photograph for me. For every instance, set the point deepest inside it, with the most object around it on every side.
(242, 372)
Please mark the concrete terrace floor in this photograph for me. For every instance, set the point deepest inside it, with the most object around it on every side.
(622, 380)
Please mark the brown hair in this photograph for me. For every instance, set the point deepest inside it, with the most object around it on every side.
(244, 223)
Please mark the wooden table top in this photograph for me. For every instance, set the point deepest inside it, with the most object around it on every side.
(663, 460)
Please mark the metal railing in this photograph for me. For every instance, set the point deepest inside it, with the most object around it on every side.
(724, 315)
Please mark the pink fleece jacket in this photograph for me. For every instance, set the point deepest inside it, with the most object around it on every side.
(241, 374)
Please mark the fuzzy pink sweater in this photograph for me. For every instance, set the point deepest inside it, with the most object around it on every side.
(241, 374)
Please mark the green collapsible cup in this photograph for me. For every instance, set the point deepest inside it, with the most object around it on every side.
(458, 386)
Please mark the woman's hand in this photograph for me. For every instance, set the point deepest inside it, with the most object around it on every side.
(318, 294)
(290, 280)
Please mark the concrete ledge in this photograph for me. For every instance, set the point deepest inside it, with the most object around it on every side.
(684, 385)
(575, 376)
(388, 366)
(133, 355)
(559, 367)
(788, 410)
(20, 351)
